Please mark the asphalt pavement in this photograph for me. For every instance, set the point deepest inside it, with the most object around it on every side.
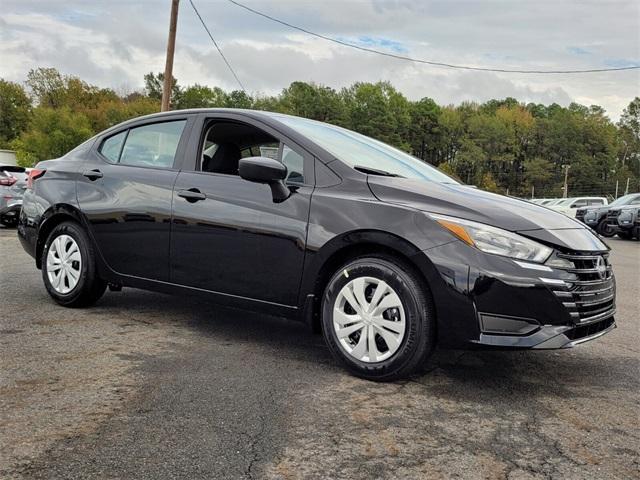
(145, 385)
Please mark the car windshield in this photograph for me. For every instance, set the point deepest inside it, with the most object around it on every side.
(564, 202)
(364, 153)
(622, 200)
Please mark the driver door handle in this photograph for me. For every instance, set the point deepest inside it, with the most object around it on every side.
(192, 195)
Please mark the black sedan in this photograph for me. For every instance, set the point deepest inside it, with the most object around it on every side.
(384, 254)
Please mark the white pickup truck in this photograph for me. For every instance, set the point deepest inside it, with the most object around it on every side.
(569, 206)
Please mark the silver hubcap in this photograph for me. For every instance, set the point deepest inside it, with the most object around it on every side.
(369, 319)
(64, 264)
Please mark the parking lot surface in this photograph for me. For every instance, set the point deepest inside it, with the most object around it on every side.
(151, 386)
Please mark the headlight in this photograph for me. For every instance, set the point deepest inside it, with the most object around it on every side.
(494, 240)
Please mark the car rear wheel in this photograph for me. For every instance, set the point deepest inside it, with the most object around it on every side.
(68, 267)
(605, 229)
(378, 318)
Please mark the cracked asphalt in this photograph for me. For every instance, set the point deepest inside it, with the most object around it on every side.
(152, 386)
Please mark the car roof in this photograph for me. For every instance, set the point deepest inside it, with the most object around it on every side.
(192, 111)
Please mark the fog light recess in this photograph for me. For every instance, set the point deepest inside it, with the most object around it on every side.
(502, 325)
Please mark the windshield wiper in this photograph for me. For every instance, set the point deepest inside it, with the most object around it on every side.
(375, 171)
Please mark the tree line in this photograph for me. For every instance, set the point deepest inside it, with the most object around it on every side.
(504, 145)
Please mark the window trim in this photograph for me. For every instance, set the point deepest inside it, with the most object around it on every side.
(180, 148)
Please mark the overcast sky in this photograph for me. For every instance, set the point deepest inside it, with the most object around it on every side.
(115, 42)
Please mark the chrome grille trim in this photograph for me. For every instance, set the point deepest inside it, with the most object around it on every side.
(593, 318)
(569, 256)
(587, 299)
(585, 303)
(588, 282)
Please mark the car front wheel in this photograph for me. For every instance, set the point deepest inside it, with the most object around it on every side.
(605, 229)
(68, 267)
(378, 318)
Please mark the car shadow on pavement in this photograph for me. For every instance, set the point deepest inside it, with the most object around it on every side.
(524, 372)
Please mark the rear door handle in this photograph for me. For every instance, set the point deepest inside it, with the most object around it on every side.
(192, 195)
(93, 174)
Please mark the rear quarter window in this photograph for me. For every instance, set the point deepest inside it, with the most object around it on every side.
(112, 146)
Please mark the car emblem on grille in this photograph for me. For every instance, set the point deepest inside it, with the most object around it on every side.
(601, 266)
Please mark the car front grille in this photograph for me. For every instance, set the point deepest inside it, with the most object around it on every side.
(580, 213)
(613, 214)
(590, 295)
(626, 217)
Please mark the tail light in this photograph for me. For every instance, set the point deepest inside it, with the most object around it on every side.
(34, 174)
(8, 181)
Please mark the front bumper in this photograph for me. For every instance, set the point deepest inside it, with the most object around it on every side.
(629, 221)
(488, 301)
(549, 337)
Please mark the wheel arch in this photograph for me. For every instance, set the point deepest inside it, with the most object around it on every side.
(54, 216)
(350, 245)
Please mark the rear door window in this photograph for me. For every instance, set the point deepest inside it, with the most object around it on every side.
(152, 145)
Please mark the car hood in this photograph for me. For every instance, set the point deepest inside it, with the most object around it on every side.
(477, 205)
(603, 209)
(623, 207)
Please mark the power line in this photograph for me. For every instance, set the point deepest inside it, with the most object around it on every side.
(427, 62)
(217, 47)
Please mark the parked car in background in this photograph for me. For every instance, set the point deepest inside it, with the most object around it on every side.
(540, 201)
(383, 253)
(569, 206)
(599, 218)
(13, 181)
(629, 222)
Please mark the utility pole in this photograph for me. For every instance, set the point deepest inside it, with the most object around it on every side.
(168, 67)
(626, 190)
(566, 179)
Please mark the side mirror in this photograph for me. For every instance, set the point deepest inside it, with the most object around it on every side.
(266, 170)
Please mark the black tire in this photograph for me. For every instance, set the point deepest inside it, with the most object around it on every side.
(89, 287)
(9, 222)
(419, 335)
(625, 235)
(605, 229)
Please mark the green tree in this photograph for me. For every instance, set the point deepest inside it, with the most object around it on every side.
(52, 133)
(629, 137)
(424, 129)
(452, 130)
(379, 111)
(15, 111)
(200, 96)
(313, 101)
(154, 85)
(239, 99)
(488, 183)
(47, 86)
(537, 174)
